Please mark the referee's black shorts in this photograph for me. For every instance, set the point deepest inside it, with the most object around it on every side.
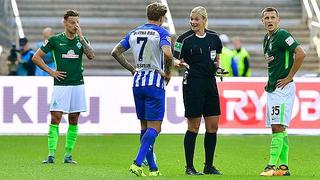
(201, 98)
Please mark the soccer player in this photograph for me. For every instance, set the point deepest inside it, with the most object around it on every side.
(284, 56)
(68, 95)
(199, 51)
(151, 48)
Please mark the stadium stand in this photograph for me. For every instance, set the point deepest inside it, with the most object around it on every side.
(4, 28)
(5, 42)
(105, 22)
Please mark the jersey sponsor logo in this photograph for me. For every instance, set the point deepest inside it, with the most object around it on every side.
(178, 46)
(62, 44)
(268, 58)
(289, 41)
(70, 55)
(213, 54)
(79, 45)
(144, 32)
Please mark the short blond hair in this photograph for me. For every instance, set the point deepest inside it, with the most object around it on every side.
(155, 11)
(269, 9)
(70, 12)
(203, 12)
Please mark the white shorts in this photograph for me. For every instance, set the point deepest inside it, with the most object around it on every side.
(279, 105)
(68, 99)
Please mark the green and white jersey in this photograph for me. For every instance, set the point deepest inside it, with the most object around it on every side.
(278, 51)
(67, 55)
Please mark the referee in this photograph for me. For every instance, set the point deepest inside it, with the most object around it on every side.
(198, 50)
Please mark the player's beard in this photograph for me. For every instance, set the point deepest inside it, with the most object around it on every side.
(72, 31)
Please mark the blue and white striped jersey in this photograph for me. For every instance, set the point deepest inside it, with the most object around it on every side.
(145, 42)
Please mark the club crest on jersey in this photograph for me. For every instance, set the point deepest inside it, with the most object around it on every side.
(79, 45)
(270, 46)
(70, 55)
(213, 54)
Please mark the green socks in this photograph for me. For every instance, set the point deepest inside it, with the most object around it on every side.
(53, 138)
(276, 147)
(284, 155)
(71, 138)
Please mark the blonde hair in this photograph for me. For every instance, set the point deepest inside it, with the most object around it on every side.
(203, 12)
(155, 11)
(269, 9)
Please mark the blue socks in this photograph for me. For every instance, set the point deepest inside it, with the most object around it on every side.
(147, 139)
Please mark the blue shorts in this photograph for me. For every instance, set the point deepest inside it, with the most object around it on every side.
(149, 101)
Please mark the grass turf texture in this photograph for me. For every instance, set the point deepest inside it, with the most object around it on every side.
(109, 157)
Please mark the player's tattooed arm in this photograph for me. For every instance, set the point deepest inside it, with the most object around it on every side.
(87, 49)
(117, 53)
(167, 62)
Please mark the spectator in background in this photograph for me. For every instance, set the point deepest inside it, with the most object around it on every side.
(26, 66)
(12, 61)
(227, 61)
(316, 41)
(241, 57)
(48, 58)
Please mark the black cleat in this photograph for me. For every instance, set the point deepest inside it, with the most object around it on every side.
(192, 171)
(50, 160)
(68, 160)
(211, 170)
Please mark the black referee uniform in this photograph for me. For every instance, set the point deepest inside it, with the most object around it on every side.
(200, 92)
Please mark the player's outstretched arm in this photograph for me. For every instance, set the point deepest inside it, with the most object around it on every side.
(180, 64)
(117, 53)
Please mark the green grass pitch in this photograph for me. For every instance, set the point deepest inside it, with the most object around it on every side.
(109, 157)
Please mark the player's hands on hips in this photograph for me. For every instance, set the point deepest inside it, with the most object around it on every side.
(134, 71)
(166, 76)
(59, 75)
(180, 64)
(281, 83)
(167, 79)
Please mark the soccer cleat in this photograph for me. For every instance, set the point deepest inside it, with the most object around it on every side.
(269, 170)
(68, 160)
(192, 171)
(211, 170)
(282, 170)
(155, 173)
(50, 160)
(137, 170)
